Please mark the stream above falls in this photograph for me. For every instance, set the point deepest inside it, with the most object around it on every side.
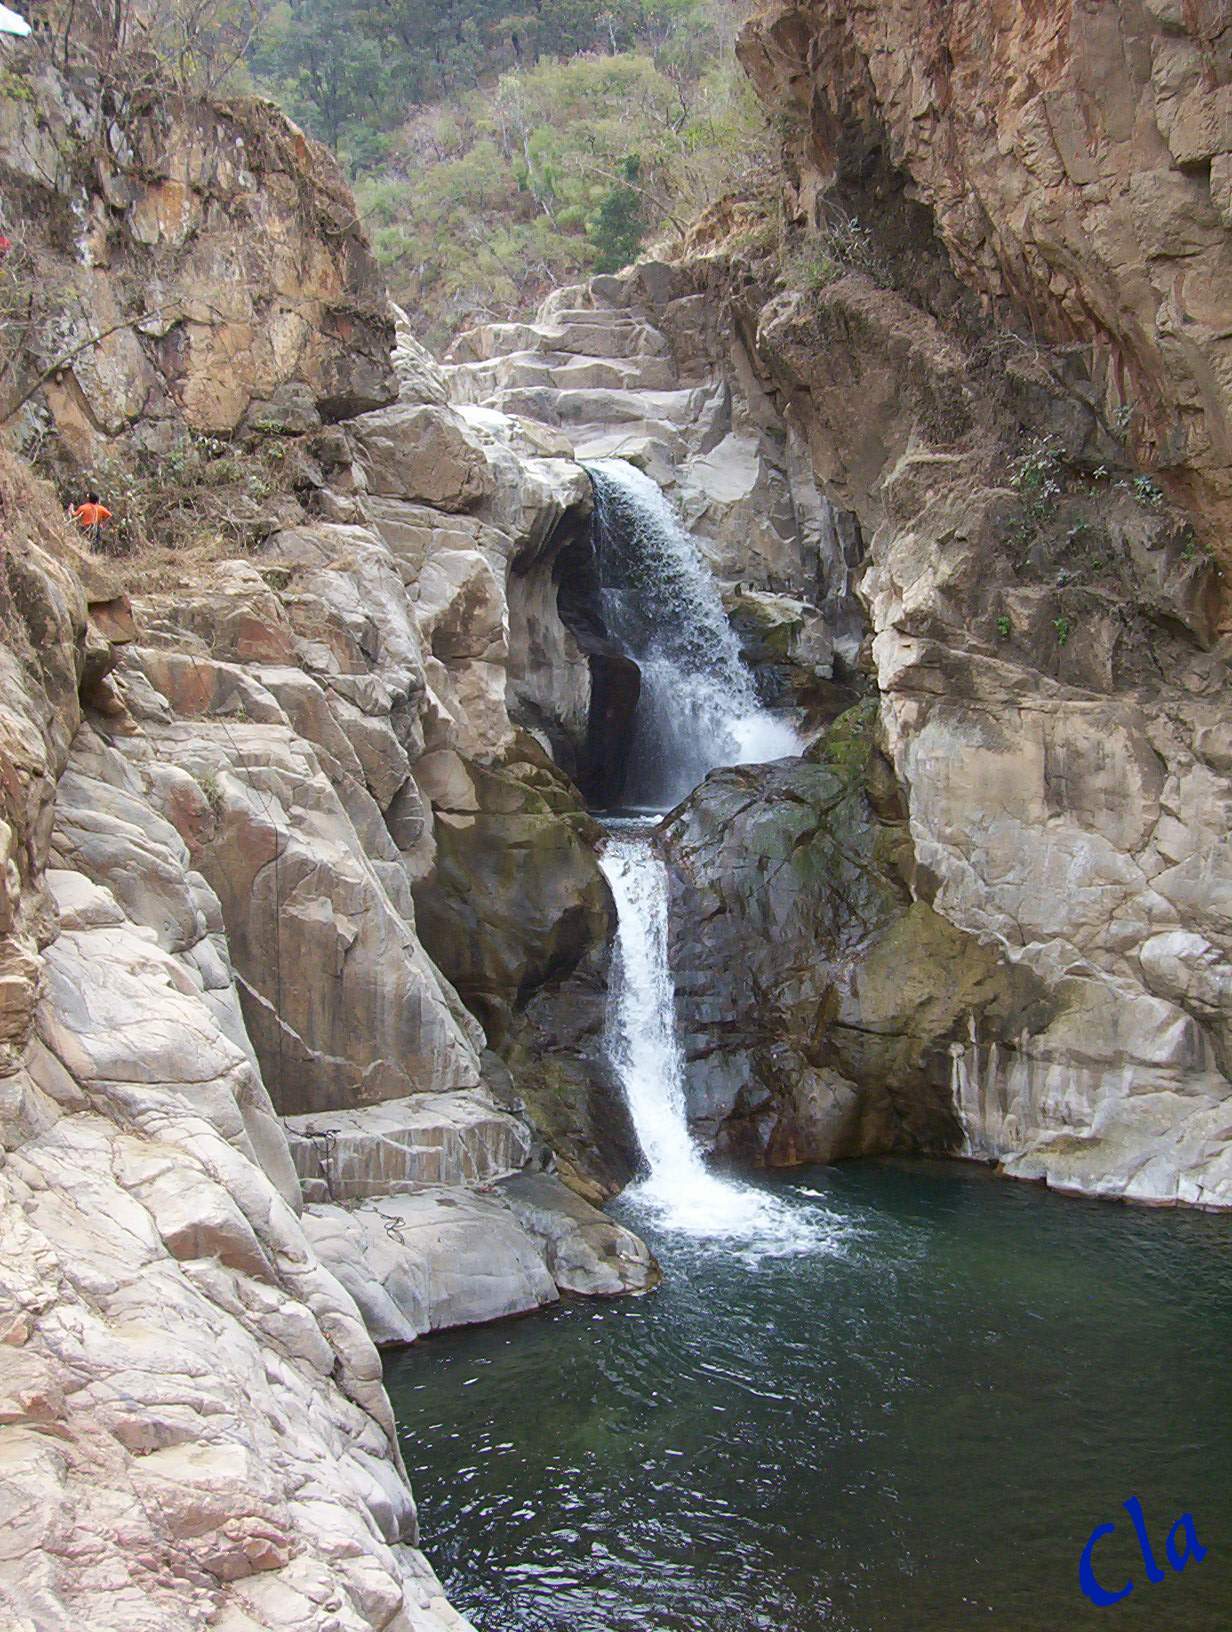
(911, 1427)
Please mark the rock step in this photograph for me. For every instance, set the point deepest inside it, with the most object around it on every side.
(592, 317)
(440, 1257)
(477, 382)
(578, 407)
(401, 1144)
(606, 335)
(656, 449)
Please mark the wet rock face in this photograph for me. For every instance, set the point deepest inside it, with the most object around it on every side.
(816, 997)
(600, 761)
(515, 900)
(518, 917)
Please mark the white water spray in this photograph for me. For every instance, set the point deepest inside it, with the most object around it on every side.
(644, 1047)
(698, 707)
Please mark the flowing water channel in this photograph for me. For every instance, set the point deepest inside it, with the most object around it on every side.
(876, 1398)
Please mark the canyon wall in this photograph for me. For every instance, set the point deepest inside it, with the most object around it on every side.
(1032, 327)
(979, 390)
(250, 1125)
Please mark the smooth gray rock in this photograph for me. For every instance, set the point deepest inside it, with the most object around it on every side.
(437, 1256)
(585, 1251)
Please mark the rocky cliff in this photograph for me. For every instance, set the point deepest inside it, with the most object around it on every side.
(1030, 319)
(1071, 161)
(250, 1125)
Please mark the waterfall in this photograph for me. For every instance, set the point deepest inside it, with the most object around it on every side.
(698, 707)
(644, 1047)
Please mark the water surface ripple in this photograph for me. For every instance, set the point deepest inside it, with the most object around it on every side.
(912, 1428)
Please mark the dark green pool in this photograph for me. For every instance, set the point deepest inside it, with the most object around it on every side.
(913, 1428)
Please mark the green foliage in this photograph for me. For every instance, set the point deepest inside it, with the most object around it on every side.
(210, 786)
(1036, 476)
(1148, 492)
(1061, 625)
(1004, 627)
(15, 88)
(351, 69)
(618, 224)
(845, 245)
(335, 80)
(497, 153)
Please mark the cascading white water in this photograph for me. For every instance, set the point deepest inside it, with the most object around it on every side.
(698, 707)
(644, 1047)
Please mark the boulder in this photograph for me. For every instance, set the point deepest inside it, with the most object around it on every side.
(432, 1258)
(458, 1257)
(422, 452)
(585, 1251)
(817, 1000)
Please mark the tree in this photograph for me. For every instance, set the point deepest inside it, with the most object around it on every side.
(335, 81)
(619, 225)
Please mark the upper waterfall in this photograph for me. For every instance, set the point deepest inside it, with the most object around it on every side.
(698, 707)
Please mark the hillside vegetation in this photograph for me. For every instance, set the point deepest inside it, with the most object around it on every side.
(497, 153)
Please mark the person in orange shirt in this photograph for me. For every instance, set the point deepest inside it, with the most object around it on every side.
(90, 517)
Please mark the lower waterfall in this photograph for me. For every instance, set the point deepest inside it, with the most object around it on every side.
(644, 1047)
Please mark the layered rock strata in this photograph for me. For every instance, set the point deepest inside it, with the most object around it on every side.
(644, 367)
(246, 1121)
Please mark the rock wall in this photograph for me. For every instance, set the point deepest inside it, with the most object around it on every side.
(245, 1118)
(834, 1040)
(1045, 623)
(189, 265)
(250, 1125)
(1075, 163)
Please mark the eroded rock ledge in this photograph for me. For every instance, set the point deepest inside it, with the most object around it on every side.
(249, 1124)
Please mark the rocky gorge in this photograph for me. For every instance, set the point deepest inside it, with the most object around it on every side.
(306, 946)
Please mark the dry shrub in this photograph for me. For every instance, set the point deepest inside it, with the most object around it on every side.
(205, 500)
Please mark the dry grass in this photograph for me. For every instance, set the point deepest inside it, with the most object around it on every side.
(207, 500)
(30, 512)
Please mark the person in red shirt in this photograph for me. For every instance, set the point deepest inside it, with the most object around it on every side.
(90, 517)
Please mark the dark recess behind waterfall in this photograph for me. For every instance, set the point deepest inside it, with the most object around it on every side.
(599, 765)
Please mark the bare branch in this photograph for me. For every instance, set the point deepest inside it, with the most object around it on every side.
(62, 362)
